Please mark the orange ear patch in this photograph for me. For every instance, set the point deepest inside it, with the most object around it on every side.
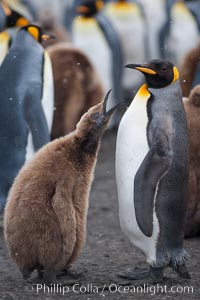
(22, 22)
(99, 4)
(34, 31)
(176, 74)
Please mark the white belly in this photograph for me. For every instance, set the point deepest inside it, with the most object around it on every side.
(130, 26)
(155, 14)
(88, 36)
(131, 149)
(4, 42)
(47, 103)
(179, 44)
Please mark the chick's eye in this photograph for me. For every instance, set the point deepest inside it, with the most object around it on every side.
(94, 116)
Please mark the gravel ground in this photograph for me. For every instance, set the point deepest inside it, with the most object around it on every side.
(106, 253)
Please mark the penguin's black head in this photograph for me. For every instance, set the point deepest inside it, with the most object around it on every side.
(90, 8)
(158, 73)
(37, 33)
(13, 18)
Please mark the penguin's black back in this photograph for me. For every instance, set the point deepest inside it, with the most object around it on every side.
(21, 77)
(166, 104)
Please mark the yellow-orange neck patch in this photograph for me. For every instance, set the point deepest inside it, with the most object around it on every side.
(143, 92)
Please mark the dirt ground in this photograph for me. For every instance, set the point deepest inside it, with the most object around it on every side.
(106, 253)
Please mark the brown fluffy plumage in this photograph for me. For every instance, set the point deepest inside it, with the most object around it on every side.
(77, 87)
(45, 215)
(192, 108)
(188, 69)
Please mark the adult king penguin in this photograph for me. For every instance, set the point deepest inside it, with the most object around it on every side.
(152, 171)
(26, 95)
(128, 20)
(10, 17)
(94, 33)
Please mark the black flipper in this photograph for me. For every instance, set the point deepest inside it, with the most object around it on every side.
(35, 118)
(153, 168)
(114, 43)
(2, 19)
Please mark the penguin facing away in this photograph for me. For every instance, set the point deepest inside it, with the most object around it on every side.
(46, 212)
(95, 34)
(152, 171)
(27, 99)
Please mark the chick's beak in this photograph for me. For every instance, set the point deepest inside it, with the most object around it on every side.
(142, 68)
(108, 113)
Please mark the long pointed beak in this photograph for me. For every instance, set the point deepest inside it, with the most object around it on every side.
(48, 35)
(142, 68)
(110, 111)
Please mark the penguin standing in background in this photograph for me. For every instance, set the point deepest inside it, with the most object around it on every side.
(156, 16)
(26, 95)
(152, 171)
(94, 34)
(128, 19)
(11, 16)
(177, 44)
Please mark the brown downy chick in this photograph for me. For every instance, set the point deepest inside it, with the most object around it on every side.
(192, 108)
(46, 211)
(76, 87)
(188, 69)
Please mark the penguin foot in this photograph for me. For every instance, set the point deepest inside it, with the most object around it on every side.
(182, 272)
(135, 274)
(151, 275)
